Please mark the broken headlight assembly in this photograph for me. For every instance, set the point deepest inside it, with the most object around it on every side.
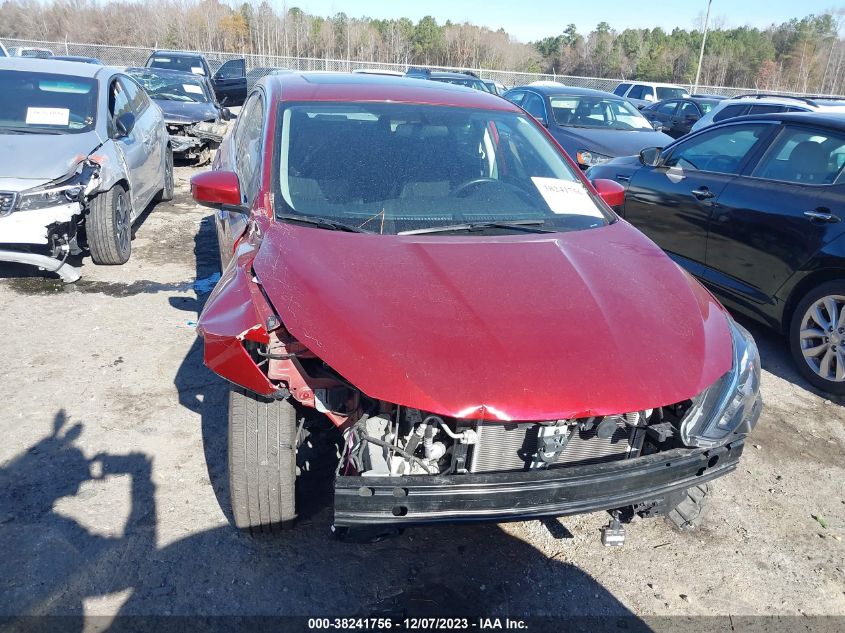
(64, 190)
(731, 405)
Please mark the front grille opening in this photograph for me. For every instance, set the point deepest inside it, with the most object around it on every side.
(513, 447)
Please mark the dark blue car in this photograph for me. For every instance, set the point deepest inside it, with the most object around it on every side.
(591, 125)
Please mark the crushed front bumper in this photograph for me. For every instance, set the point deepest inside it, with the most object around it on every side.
(65, 271)
(525, 495)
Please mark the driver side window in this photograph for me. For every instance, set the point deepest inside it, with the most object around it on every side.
(721, 151)
(118, 103)
(533, 105)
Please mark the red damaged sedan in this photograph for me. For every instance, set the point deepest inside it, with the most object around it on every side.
(418, 272)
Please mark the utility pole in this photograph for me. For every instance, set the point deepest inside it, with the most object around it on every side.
(701, 52)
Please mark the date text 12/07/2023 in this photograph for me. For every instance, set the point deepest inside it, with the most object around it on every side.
(416, 624)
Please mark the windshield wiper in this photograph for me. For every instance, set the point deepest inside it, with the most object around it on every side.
(322, 223)
(532, 226)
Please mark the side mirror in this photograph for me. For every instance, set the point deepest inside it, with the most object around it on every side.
(658, 125)
(542, 121)
(216, 189)
(124, 124)
(610, 191)
(650, 156)
(226, 114)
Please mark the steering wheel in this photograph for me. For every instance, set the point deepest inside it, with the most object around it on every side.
(474, 182)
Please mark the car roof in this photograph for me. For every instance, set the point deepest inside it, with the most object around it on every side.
(552, 91)
(55, 66)
(657, 84)
(451, 75)
(820, 102)
(832, 120)
(330, 86)
(175, 53)
(77, 58)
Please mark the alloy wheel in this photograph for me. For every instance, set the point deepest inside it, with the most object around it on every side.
(121, 218)
(822, 337)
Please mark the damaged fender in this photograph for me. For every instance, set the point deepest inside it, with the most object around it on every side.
(236, 312)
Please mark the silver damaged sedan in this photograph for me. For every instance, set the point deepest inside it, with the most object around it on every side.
(83, 151)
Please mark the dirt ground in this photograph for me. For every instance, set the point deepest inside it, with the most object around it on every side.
(113, 491)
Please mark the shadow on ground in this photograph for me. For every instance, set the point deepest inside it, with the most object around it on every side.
(52, 564)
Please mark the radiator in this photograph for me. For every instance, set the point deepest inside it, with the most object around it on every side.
(513, 446)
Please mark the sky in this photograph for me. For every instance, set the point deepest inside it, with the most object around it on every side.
(529, 20)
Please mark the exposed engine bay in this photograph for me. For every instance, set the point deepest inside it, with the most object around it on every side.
(196, 141)
(401, 441)
(383, 439)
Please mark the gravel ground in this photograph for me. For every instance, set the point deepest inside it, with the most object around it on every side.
(113, 493)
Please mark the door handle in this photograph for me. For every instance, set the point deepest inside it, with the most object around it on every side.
(821, 215)
(703, 193)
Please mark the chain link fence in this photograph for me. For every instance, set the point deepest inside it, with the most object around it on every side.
(260, 65)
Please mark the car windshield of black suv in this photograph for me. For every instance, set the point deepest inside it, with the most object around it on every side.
(398, 168)
(172, 86)
(598, 112)
(42, 103)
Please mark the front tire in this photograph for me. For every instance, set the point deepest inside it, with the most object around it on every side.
(109, 227)
(817, 337)
(262, 461)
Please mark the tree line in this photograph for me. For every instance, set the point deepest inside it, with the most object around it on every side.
(801, 55)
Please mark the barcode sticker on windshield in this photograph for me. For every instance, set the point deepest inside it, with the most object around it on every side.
(47, 116)
(197, 90)
(566, 197)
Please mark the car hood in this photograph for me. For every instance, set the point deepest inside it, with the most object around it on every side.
(535, 327)
(28, 160)
(181, 112)
(609, 142)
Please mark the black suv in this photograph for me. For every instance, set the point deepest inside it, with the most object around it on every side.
(753, 207)
(465, 78)
(228, 81)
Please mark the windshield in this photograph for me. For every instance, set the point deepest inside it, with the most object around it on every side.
(45, 103)
(608, 113)
(671, 93)
(390, 168)
(184, 63)
(469, 82)
(166, 86)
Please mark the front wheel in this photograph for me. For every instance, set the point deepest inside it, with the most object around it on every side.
(109, 227)
(817, 337)
(262, 461)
